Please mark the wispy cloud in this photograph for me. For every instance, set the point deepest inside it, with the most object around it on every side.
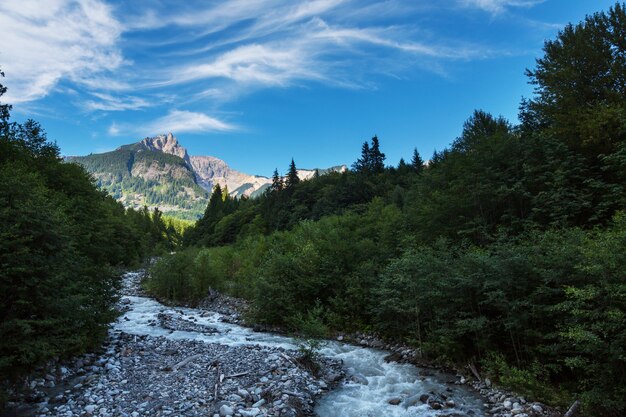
(130, 56)
(108, 102)
(499, 6)
(62, 39)
(179, 121)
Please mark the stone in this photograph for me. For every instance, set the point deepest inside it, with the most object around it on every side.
(537, 408)
(395, 401)
(226, 410)
(359, 379)
(435, 405)
(258, 403)
(412, 400)
(250, 413)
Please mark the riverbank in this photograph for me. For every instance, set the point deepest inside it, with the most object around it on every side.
(162, 360)
(145, 375)
(498, 402)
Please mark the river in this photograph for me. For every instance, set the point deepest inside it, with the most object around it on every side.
(377, 381)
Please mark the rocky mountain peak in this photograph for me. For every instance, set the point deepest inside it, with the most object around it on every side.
(166, 144)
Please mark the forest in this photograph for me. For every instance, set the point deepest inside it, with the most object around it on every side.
(63, 245)
(177, 189)
(506, 249)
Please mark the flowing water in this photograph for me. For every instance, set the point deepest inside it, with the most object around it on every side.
(378, 381)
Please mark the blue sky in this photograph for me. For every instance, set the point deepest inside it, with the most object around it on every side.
(257, 82)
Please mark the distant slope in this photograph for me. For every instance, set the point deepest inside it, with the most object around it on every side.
(158, 172)
(137, 175)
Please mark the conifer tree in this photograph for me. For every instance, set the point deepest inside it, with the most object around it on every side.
(217, 198)
(292, 176)
(377, 158)
(277, 181)
(363, 163)
(417, 162)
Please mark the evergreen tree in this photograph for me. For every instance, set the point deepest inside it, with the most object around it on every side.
(417, 163)
(363, 163)
(292, 176)
(277, 181)
(216, 200)
(377, 158)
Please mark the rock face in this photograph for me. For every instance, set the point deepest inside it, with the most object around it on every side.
(211, 171)
(166, 144)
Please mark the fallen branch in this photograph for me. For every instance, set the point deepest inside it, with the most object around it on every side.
(288, 358)
(219, 380)
(237, 375)
(573, 409)
(185, 362)
(474, 371)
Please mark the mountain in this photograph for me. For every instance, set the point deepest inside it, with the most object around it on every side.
(159, 172)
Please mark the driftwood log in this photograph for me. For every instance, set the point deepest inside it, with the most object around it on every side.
(237, 375)
(220, 377)
(185, 362)
(573, 409)
(474, 371)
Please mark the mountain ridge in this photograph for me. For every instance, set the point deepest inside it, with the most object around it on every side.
(159, 172)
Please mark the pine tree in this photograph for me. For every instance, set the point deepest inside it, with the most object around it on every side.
(377, 158)
(363, 163)
(277, 181)
(417, 162)
(216, 200)
(292, 176)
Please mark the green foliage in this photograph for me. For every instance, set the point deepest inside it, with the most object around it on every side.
(172, 277)
(506, 249)
(61, 240)
(372, 160)
(310, 354)
(140, 176)
(530, 381)
(292, 179)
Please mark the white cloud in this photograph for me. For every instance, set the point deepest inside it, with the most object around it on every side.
(218, 50)
(499, 6)
(310, 51)
(114, 129)
(46, 42)
(108, 102)
(177, 121)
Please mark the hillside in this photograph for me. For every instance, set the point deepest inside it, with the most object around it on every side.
(159, 172)
(138, 175)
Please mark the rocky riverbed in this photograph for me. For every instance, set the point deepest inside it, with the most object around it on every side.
(155, 375)
(160, 360)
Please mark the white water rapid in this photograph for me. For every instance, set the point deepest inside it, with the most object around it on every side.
(378, 381)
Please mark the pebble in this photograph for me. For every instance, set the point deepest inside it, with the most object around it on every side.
(132, 376)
